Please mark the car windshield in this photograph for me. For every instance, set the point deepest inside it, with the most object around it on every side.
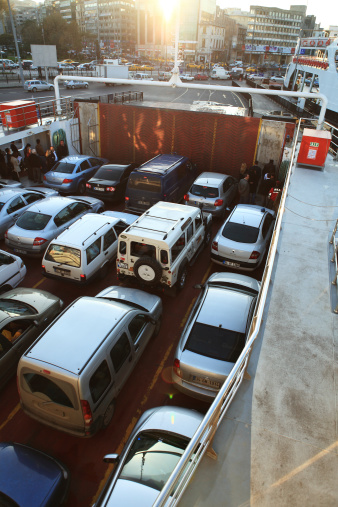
(152, 458)
(203, 191)
(64, 255)
(145, 182)
(215, 342)
(109, 173)
(32, 221)
(15, 308)
(64, 167)
(240, 233)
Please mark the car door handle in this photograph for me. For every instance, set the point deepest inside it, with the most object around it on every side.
(106, 253)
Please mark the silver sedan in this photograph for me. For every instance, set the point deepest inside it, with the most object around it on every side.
(215, 334)
(14, 201)
(213, 192)
(40, 224)
(154, 448)
(76, 84)
(244, 238)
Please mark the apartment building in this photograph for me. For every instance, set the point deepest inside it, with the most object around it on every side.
(272, 33)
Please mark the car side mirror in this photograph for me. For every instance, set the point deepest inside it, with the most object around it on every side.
(111, 458)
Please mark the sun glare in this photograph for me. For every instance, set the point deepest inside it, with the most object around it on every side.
(168, 8)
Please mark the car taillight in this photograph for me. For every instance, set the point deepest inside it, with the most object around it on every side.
(39, 241)
(67, 181)
(43, 268)
(110, 189)
(177, 369)
(44, 177)
(218, 202)
(214, 246)
(254, 255)
(186, 197)
(126, 198)
(6, 235)
(87, 413)
(83, 278)
(88, 185)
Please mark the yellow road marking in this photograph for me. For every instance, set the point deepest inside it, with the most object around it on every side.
(207, 273)
(11, 415)
(39, 283)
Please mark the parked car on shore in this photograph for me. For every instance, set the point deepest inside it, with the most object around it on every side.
(36, 85)
(76, 84)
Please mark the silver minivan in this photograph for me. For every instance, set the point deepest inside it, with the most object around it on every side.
(71, 376)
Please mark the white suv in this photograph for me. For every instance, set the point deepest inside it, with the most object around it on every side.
(158, 247)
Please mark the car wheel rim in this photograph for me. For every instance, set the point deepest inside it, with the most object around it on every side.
(108, 415)
(182, 279)
(146, 273)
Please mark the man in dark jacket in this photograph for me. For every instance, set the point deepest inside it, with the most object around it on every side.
(35, 164)
(255, 176)
(62, 150)
(244, 189)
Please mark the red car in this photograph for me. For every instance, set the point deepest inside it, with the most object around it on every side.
(201, 77)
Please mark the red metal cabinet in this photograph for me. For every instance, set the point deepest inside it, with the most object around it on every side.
(18, 113)
(314, 148)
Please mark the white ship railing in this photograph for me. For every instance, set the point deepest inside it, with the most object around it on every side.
(201, 441)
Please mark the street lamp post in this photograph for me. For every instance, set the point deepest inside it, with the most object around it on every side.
(16, 43)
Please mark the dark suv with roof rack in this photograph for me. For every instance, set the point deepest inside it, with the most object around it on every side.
(163, 178)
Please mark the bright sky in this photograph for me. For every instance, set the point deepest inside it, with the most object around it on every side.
(326, 11)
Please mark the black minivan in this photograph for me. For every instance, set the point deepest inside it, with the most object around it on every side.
(163, 178)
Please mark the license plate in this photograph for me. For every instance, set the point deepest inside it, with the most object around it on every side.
(146, 203)
(17, 250)
(99, 188)
(123, 265)
(62, 271)
(232, 264)
(206, 382)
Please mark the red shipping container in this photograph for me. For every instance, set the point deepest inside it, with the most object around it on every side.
(314, 148)
(18, 113)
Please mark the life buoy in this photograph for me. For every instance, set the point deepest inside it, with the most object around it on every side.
(312, 42)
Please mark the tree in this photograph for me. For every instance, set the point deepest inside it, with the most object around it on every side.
(31, 33)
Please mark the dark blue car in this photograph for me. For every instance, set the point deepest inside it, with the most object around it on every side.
(31, 478)
(71, 174)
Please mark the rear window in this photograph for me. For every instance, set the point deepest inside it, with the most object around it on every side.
(142, 250)
(145, 182)
(215, 342)
(109, 173)
(64, 167)
(240, 233)
(204, 191)
(64, 255)
(47, 389)
(33, 221)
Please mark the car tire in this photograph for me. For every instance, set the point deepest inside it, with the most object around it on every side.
(147, 270)
(73, 87)
(34, 89)
(207, 237)
(181, 279)
(104, 271)
(86, 86)
(81, 188)
(108, 415)
(51, 88)
(157, 327)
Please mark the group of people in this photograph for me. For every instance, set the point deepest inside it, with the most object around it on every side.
(35, 160)
(256, 180)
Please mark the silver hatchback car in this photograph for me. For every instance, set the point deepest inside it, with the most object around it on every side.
(37, 85)
(244, 238)
(44, 221)
(215, 334)
(154, 447)
(213, 191)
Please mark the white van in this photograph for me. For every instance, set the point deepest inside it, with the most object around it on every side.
(84, 250)
(219, 73)
(143, 76)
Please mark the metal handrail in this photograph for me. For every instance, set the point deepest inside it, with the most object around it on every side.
(202, 439)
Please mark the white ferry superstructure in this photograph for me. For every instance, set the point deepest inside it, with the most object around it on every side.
(316, 58)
